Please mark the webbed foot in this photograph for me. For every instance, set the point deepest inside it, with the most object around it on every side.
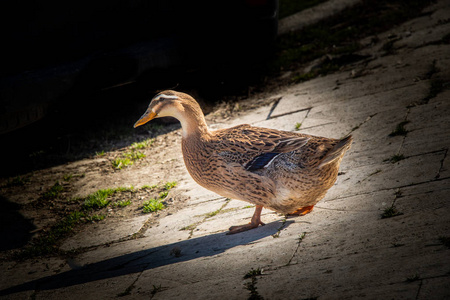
(242, 228)
(255, 222)
(302, 211)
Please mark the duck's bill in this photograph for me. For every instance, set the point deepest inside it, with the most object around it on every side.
(148, 116)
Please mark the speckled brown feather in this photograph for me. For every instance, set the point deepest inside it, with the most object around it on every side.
(297, 173)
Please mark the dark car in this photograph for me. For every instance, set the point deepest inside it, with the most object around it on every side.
(52, 47)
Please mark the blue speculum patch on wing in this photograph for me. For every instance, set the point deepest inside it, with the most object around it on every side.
(260, 161)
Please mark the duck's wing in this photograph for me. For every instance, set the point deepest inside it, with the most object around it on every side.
(255, 147)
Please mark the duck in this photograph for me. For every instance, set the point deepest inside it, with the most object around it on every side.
(288, 172)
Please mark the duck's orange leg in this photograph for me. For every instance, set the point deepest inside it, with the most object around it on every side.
(302, 211)
(255, 222)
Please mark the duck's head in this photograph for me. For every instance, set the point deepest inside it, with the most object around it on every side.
(174, 104)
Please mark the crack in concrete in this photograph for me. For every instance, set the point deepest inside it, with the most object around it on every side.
(193, 226)
(428, 278)
(377, 171)
(274, 106)
(416, 155)
(131, 286)
(397, 194)
(293, 112)
(283, 224)
(251, 287)
(206, 201)
(300, 240)
(418, 290)
(361, 124)
(438, 175)
(406, 134)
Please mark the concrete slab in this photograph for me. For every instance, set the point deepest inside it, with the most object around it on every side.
(313, 15)
(102, 233)
(434, 288)
(428, 127)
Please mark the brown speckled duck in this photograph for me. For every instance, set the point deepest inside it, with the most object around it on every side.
(284, 171)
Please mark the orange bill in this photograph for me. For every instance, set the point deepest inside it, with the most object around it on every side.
(147, 116)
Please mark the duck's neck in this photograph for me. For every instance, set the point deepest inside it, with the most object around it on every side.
(193, 123)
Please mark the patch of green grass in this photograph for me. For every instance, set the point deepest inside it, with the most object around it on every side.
(99, 199)
(156, 289)
(17, 181)
(301, 237)
(126, 292)
(122, 203)
(153, 205)
(400, 129)
(297, 126)
(142, 145)
(251, 286)
(47, 242)
(128, 158)
(170, 185)
(213, 213)
(253, 273)
(390, 212)
(54, 192)
(134, 155)
(75, 216)
(95, 218)
(120, 162)
(123, 189)
(190, 227)
(396, 158)
(163, 195)
(149, 187)
(220, 210)
(67, 177)
(100, 153)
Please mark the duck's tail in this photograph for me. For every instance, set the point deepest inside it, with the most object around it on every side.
(337, 151)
